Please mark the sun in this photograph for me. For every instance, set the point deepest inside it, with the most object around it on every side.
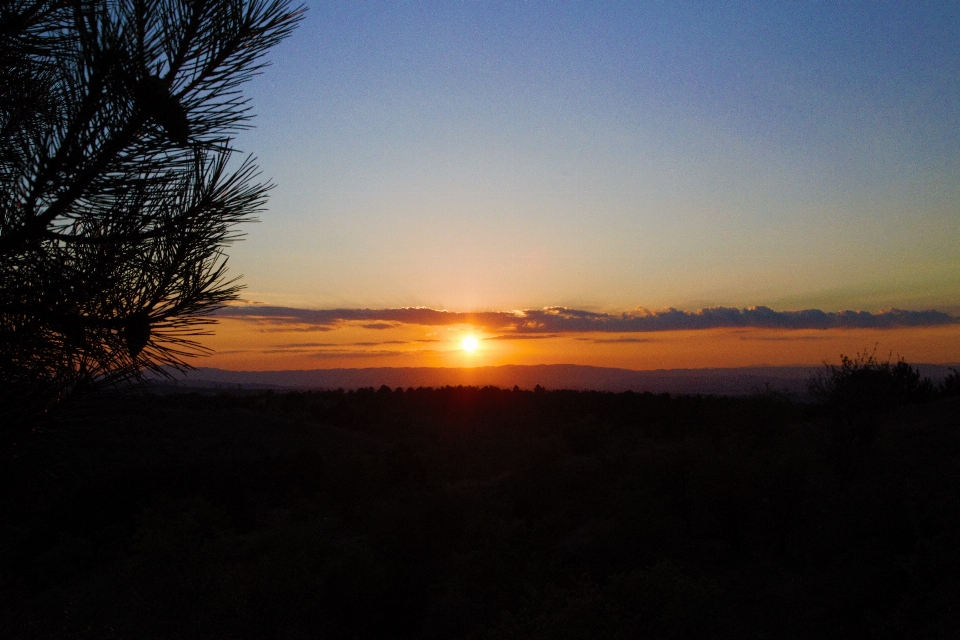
(470, 344)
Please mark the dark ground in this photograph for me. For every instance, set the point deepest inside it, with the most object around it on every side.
(479, 513)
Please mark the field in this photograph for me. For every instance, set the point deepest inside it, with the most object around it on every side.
(481, 513)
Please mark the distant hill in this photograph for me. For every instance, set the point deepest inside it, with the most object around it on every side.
(721, 381)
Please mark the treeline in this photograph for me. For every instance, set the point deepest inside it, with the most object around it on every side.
(485, 513)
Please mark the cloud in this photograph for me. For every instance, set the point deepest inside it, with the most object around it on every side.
(284, 350)
(344, 353)
(781, 338)
(292, 328)
(383, 353)
(642, 320)
(300, 347)
(379, 325)
(615, 340)
(556, 320)
(311, 345)
(325, 319)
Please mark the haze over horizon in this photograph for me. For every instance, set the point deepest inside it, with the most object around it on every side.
(590, 163)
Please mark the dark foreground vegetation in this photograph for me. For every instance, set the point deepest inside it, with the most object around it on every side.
(484, 513)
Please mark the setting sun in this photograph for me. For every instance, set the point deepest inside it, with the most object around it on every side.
(470, 344)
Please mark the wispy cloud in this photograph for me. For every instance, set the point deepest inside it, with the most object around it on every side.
(344, 353)
(311, 345)
(379, 325)
(557, 320)
(322, 319)
(337, 345)
(275, 327)
(615, 340)
(792, 338)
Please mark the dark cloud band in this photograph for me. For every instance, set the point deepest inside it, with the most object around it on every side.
(564, 320)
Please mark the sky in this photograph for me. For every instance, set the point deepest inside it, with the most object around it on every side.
(550, 160)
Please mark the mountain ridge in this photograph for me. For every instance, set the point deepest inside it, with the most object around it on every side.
(717, 380)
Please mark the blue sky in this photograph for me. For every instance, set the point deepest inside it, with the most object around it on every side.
(496, 156)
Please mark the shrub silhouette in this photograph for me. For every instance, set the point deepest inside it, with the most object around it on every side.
(855, 393)
(117, 192)
(949, 387)
(863, 385)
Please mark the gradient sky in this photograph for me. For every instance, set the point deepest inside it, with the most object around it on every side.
(497, 156)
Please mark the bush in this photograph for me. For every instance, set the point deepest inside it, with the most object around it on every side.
(949, 387)
(863, 385)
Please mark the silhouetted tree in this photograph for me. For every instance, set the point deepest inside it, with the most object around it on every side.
(863, 385)
(856, 393)
(118, 188)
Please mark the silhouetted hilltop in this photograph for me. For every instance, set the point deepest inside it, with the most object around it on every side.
(720, 381)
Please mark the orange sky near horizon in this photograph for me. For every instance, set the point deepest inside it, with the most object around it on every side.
(240, 344)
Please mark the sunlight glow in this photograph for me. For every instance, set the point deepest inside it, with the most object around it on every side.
(470, 344)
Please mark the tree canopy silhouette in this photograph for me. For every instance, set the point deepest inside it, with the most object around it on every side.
(119, 187)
